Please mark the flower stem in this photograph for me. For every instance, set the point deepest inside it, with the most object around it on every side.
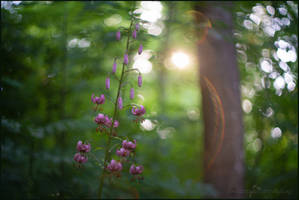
(132, 70)
(107, 152)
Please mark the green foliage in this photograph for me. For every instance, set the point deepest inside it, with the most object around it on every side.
(56, 54)
(271, 161)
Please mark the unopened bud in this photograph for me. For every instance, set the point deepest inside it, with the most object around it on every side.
(134, 34)
(137, 27)
(114, 67)
(107, 83)
(120, 103)
(126, 59)
(139, 80)
(118, 35)
(132, 93)
(140, 49)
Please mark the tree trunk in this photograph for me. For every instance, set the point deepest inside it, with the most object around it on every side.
(219, 82)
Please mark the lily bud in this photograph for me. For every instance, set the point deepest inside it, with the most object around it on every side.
(126, 59)
(132, 93)
(134, 34)
(118, 35)
(114, 67)
(137, 27)
(140, 49)
(107, 83)
(139, 80)
(120, 103)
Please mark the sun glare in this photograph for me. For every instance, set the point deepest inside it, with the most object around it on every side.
(142, 62)
(180, 60)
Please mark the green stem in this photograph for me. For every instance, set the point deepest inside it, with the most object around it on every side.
(107, 152)
(132, 70)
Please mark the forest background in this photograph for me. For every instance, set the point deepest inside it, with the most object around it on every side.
(54, 55)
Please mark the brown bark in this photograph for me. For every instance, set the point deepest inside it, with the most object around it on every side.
(219, 82)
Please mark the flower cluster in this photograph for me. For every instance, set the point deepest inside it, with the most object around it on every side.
(80, 157)
(135, 170)
(108, 125)
(98, 100)
(115, 167)
(123, 152)
(105, 122)
(128, 147)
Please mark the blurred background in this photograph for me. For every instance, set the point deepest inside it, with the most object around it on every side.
(54, 55)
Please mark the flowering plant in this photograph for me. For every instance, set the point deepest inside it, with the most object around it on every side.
(108, 125)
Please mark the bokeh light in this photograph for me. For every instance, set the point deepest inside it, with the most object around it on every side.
(113, 20)
(142, 63)
(276, 132)
(148, 125)
(180, 59)
(151, 14)
(151, 11)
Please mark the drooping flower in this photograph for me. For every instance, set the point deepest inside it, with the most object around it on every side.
(98, 100)
(134, 34)
(108, 122)
(79, 144)
(114, 166)
(126, 59)
(129, 145)
(138, 111)
(140, 49)
(80, 158)
(100, 119)
(107, 83)
(139, 80)
(118, 35)
(120, 103)
(102, 99)
(92, 98)
(135, 170)
(114, 67)
(132, 93)
(83, 147)
(116, 124)
(122, 152)
(137, 27)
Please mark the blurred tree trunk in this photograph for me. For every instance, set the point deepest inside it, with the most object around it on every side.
(220, 87)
